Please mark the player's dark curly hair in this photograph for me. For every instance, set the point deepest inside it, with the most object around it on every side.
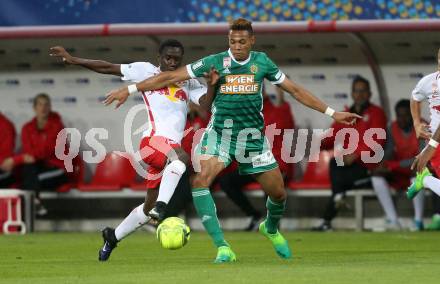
(241, 24)
(171, 43)
(404, 103)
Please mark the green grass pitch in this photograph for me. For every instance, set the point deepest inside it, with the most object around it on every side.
(342, 257)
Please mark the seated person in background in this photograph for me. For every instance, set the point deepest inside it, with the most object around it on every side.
(401, 147)
(354, 173)
(276, 111)
(7, 146)
(43, 170)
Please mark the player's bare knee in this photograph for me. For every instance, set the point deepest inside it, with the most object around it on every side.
(279, 195)
(201, 179)
(184, 158)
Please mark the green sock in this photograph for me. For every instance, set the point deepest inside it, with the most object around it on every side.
(207, 212)
(275, 211)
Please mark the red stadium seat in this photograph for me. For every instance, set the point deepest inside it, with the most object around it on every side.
(139, 186)
(252, 186)
(112, 174)
(316, 175)
(74, 178)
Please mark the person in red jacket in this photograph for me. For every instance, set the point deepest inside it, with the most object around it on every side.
(355, 173)
(7, 146)
(38, 138)
(8, 160)
(276, 111)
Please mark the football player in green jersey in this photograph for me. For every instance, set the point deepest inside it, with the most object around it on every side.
(236, 115)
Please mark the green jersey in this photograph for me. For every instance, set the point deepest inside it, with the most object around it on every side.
(239, 89)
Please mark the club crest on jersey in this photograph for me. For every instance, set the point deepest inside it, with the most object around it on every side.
(254, 68)
(434, 89)
(227, 62)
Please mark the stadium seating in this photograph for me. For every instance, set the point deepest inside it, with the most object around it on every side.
(112, 174)
(316, 175)
(252, 186)
(139, 185)
(76, 177)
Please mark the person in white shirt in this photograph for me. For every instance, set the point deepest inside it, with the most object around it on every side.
(160, 147)
(427, 89)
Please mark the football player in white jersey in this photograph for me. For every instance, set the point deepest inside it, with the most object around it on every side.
(427, 89)
(160, 147)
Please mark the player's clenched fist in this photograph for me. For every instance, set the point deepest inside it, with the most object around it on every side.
(211, 77)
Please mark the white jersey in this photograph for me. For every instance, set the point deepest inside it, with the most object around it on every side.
(427, 88)
(167, 108)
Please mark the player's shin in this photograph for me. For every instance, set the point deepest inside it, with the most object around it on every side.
(133, 221)
(207, 212)
(275, 211)
(170, 178)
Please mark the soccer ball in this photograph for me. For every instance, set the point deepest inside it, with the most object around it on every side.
(173, 233)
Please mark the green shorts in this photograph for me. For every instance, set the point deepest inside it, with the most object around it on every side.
(253, 155)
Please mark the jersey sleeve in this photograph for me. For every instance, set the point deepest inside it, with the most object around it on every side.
(273, 73)
(196, 91)
(419, 93)
(137, 71)
(196, 69)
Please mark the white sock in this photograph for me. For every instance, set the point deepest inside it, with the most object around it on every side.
(170, 178)
(419, 204)
(132, 222)
(382, 190)
(432, 183)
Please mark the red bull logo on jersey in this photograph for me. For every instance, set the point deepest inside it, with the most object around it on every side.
(174, 93)
(239, 84)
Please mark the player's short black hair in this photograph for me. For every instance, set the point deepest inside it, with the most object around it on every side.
(241, 24)
(359, 78)
(171, 43)
(403, 103)
(40, 96)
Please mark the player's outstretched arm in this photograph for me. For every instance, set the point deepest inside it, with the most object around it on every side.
(153, 83)
(98, 66)
(309, 100)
